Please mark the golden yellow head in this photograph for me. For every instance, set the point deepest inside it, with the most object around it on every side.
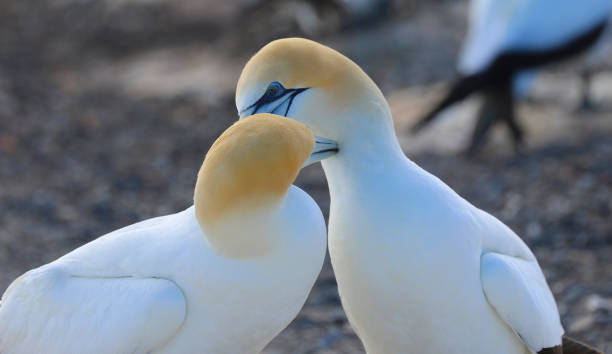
(252, 163)
(295, 62)
(309, 82)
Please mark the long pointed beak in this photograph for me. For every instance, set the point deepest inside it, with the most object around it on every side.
(323, 149)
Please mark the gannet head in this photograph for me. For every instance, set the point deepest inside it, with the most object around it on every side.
(246, 175)
(314, 84)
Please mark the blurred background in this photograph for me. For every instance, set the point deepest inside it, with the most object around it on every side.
(107, 108)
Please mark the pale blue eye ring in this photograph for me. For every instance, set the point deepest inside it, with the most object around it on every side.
(274, 90)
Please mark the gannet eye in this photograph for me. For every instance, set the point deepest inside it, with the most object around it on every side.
(274, 90)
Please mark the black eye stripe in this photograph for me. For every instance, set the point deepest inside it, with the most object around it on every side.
(275, 91)
(266, 98)
(289, 99)
(295, 93)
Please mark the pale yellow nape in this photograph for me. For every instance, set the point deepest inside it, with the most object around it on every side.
(299, 63)
(251, 164)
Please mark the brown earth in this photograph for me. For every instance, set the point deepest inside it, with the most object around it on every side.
(107, 109)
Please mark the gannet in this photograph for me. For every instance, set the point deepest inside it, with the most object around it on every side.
(507, 37)
(419, 269)
(226, 275)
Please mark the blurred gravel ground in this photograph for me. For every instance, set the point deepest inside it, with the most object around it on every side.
(108, 107)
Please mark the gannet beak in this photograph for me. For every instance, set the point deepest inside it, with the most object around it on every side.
(323, 149)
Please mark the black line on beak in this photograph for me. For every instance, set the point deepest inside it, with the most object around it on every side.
(327, 150)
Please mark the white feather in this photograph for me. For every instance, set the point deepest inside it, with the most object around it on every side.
(517, 289)
(156, 286)
(50, 311)
(496, 26)
(406, 251)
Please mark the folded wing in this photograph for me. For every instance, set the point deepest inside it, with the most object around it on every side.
(517, 290)
(48, 310)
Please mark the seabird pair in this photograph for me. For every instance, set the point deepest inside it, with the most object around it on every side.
(419, 268)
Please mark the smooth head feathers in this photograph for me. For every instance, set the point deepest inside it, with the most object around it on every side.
(299, 63)
(340, 98)
(252, 163)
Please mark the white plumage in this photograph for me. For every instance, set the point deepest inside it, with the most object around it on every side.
(158, 287)
(441, 276)
(496, 26)
(419, 269)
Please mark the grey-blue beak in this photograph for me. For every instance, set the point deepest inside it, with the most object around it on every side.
(323, 149)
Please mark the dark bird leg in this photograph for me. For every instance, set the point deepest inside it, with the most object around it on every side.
(485, 118)
(508, 114)
(495, 82)
(461, 89)
(586, 103)
(498, 104)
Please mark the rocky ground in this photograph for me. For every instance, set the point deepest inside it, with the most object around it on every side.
(108, 107)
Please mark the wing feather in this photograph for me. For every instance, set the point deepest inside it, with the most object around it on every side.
(48, 310)
(517, 290)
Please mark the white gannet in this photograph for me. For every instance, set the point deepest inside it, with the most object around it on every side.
(223, 276)
(507, 37)
(419, 269)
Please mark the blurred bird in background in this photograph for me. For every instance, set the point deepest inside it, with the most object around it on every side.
(315, 17)
(507, 39)
(106, 107)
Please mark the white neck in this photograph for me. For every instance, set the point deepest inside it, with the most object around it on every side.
(371, 149)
